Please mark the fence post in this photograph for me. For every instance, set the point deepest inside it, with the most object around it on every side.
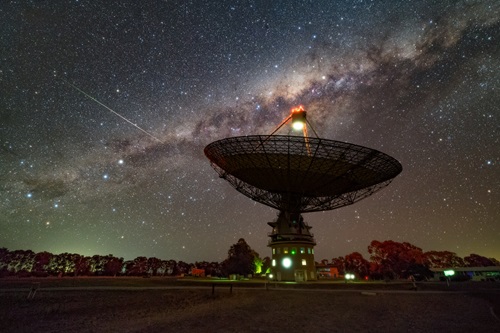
(34, 288)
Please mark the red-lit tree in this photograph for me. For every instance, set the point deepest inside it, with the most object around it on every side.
(355, 263)
(112, 265)
(82, 264)
(339, 263)
(393, 259)
(442, 259)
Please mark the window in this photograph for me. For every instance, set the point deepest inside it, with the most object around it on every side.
(304, 262)
(294, 250)
(278, 250)
(302, 250)
(274, 262)
(274, 251)
(308, 250)
(285, 250)
(312, 251)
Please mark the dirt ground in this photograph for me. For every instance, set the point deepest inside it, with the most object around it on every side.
(246, 310)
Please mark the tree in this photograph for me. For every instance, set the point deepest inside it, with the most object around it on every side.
(138, 267)
(339, 263)
(154, 265)
(442, 259)
(266, 265)
(183, 268)
(495, 261)
(240, 259)
(393, 259)
(257, 265)
(214, 269)
(475, 260)
(355, 263)
(18, 260)
(112, 265)
(61, 264)
(210, 268)
(169, 267)
(42, 260)
(96, 265)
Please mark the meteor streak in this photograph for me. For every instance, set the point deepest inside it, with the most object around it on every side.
(109, 109)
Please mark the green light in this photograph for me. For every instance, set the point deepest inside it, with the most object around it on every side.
(449, 272)
(293, 251)
(257, 265)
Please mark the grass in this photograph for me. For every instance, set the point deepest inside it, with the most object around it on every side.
(319, 307)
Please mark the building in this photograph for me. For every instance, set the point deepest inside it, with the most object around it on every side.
(292, 246)
(327, 271)
(491, 273)
(198, 272)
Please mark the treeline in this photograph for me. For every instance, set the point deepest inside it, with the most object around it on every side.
(241, 260)
(388, 260)
(26, 263)
(394, 260)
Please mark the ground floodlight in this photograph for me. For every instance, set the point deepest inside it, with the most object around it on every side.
(449, 272)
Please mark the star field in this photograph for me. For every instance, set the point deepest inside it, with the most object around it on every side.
(416, 80)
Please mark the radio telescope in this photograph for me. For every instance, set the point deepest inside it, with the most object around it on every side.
(295, 175)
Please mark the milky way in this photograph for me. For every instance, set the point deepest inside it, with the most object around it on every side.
(418, 81)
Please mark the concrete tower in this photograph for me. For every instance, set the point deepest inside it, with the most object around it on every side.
(292, 246)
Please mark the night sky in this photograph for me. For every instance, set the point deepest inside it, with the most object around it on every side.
(123, 172)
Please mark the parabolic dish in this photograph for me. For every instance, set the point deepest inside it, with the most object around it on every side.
(293, 173)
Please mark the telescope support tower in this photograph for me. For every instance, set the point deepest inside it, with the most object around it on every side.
(292, 245)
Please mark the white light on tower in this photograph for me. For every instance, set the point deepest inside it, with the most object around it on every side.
(298, 125)
(286, 262)
(298, 118)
